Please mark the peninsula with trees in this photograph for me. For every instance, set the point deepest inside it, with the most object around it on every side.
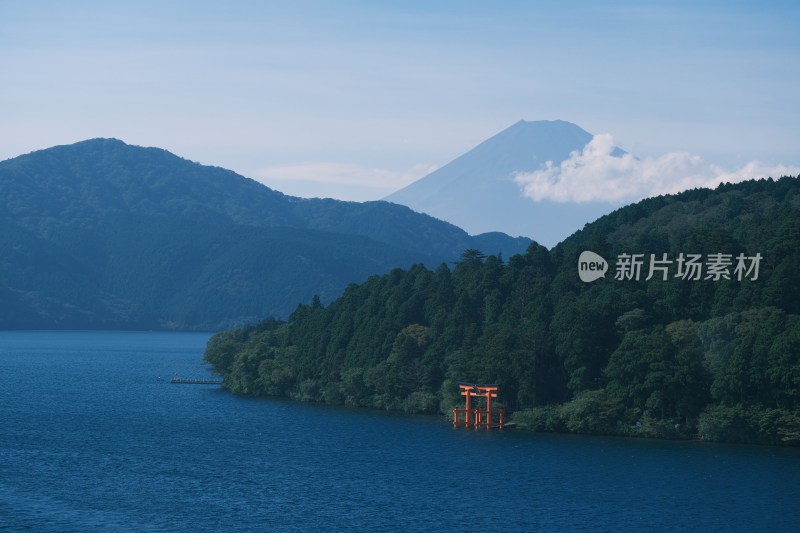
(714, 356)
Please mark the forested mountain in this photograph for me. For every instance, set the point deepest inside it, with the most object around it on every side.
(703, 340)
(101, 234)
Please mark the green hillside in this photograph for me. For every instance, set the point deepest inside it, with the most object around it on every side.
(101, 234)
(681, 357)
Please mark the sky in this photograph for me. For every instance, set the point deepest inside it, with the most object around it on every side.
(356, 99)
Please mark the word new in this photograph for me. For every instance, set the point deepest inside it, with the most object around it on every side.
(591, 266)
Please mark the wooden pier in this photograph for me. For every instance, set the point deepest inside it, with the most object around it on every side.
(189, 381)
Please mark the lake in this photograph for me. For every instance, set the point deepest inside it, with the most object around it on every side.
(90, 440)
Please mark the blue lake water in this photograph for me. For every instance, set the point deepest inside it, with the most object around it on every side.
(91, 441)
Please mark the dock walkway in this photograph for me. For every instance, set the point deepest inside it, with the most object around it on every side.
(188, 381)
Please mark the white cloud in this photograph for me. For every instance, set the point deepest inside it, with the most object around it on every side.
(593, 174)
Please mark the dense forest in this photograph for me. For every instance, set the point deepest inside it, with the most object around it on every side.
(104, 235)
(678, 355)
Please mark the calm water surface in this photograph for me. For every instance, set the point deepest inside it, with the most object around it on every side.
(91, 441)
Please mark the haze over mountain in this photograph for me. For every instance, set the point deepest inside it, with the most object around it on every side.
(101, 234)
(477, 191)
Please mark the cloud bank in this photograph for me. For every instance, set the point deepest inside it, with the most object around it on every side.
(594, 175)
(338, 180)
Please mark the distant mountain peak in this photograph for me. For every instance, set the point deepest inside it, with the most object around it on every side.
(556, 122)
(477, 191)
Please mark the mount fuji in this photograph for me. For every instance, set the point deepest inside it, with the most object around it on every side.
(477, 191)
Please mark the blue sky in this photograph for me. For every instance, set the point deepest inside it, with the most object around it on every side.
(356, 99)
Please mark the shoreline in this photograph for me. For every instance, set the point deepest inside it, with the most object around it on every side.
(517, 425)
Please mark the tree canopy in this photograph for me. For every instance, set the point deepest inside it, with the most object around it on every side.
(669, 356)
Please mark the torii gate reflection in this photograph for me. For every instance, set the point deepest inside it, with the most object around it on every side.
(477, 417)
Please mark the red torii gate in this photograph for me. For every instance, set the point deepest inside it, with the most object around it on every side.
(475, 416)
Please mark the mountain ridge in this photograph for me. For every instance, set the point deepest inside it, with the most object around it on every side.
(70, 205)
